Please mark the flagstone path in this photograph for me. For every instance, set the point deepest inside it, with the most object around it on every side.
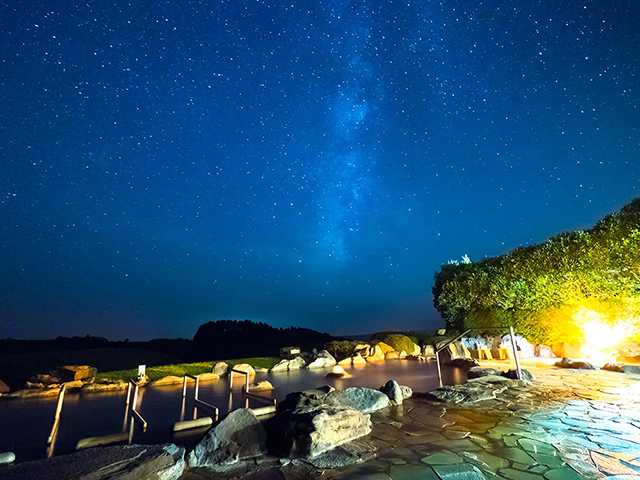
(565, 425)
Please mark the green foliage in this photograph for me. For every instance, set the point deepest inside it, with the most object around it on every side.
(341, 348)
(529, 287)
(400, 343)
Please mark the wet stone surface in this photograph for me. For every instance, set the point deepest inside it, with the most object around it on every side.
(564, 425)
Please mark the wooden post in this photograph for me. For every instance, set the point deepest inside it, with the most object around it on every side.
(515, 353)
(56, 419)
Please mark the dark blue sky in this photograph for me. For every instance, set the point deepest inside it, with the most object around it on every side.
(309, 163)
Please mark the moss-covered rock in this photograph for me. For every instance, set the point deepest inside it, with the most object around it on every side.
(401, 343)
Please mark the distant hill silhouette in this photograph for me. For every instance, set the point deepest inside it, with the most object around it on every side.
(230, 338)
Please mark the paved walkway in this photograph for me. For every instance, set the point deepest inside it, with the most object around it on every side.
(565, 425)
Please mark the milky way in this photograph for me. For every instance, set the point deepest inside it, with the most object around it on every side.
(308, 163)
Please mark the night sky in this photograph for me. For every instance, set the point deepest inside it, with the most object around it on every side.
(310, 163)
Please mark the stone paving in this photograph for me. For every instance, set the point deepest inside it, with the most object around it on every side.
(565, 425)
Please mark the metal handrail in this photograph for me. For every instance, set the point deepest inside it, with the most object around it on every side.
(513, 346)
(197, 400)
(136, 414)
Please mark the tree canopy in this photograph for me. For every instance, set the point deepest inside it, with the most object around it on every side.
(535, 288)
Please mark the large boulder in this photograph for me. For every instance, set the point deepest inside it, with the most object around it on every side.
(238, 436)
(3, 387)
(523, 347)
(161, 462)
(452, 352)
(543, 351)
(392, 390)
(69, 373)
(322, 359)
(428, 351)
(402, 342)
(358, 360)
(220, 368)
(566, 362)
(477, 372)
(361, 398)
(311, 431)
(297, 363)
(169, 380)
(281, 366)
(377, 352)
(483, 388)
(563, 349)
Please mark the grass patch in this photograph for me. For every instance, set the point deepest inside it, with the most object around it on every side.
(181, 369)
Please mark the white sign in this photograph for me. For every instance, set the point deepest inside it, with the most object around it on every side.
(141, 371)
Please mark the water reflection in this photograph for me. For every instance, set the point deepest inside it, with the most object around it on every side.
(100, 414)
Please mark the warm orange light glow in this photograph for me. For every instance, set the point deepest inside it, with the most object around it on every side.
(602, 336)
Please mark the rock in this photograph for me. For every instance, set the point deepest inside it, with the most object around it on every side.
(523, 347)
(392, 355)
(402, 355)
(358, 360)
(361, 349)
(406, 391)
(322, 359)
(281, 366)
(454, 351)
(345, 362)
(162, 462)
(305, 398)
(244, 367)
(264, 385)
(363, 399)
(402, 342)
(7, 457)
(631, 369)
(260, 369)
(489, 379)
(220, 368)
(482, 389)
(376, 354)
(513, 374)
(103, 387)
(543, 351)
(566, 362)
(3, 387)
(238, 436)
(208, 377)
(466, 363)
(44, 379)
(337, 372)
(563, 349)
(477, 372)
(52, 391)
(297, 363)
(613, 367)
(169, 380)
(69, 373)
(73, 386)
(428, 351)
(392, 390)
(311, 431)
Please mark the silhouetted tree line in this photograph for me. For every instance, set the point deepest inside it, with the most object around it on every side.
(213, 341)
(535, 288)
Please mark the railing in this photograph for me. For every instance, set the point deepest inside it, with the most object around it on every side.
(513, 346)
(257, 411)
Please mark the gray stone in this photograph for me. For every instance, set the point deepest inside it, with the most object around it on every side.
(323, 359)
(305, 398)
(7, 457)
(353, 452)
(462, 471)
(466, 363)
(281, 366)
(311, 431)
(297, 363)
(442, 458)
(392, 390)
(477, 372)
(407, 392)
(220, 368)
(412, 472)
(566, 362)
(468, 393)
(513, 374)
(563, 473)
(238, 436)
(631, 369)
(361, 398)
(160, 462)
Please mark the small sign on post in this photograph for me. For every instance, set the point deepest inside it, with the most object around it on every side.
(141, 372)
